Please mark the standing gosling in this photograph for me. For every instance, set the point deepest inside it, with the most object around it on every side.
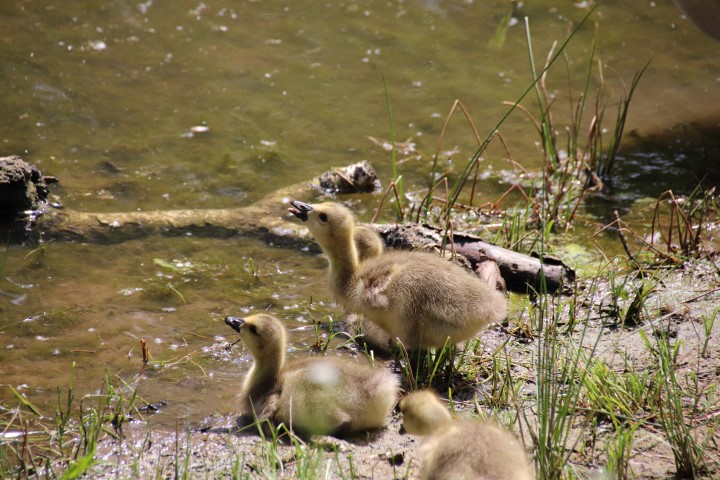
(461, 449)
(417, 297)
(314, 395)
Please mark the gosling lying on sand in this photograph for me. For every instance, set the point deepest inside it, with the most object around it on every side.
(417, 297)
(461, 449)
(314, 395)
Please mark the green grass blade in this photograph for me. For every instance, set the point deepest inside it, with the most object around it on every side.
(78, 468)
(26, 403)
(393, 152)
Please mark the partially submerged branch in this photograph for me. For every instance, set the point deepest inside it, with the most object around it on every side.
(266, 219)
(520, 272)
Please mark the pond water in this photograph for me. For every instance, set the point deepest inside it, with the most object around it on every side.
(187, 104)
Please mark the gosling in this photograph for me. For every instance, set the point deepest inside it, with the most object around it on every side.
(313, 395)
(369, 245)
(367, 242)
(461, 449)
(416, 297)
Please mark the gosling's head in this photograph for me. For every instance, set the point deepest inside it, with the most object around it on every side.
(329, 222)
(423, 413)
(263, 335)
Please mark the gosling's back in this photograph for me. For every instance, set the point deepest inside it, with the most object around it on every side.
(474, 450)
(322, 395)
(467, 449)
(422, 299)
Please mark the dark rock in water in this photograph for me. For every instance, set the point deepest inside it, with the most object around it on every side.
(359, 177)
(22, 187)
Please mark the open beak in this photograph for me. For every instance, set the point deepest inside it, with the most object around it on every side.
(235, 323)
(300, 210)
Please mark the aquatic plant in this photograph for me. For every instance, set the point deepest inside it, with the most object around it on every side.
(571, 167)
(677, 232)
(679, 228)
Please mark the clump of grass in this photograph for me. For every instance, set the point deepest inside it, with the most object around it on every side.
(251, 268)
(237, 467)
(465, 175)
(282, 454)
(517, 231)
(573, 165)
(619, 450)
(471, 169)
(458, 368)
(601, 158)
(670, 402)
(618, 397)
(269, 462)
(708, 323)
(574, 162)
(677, 231)
(433, 367)
(629, 290)
(559, 379)
(500, 389)
(63, 444)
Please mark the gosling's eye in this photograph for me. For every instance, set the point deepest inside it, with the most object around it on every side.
(323, 217)
(253, 329)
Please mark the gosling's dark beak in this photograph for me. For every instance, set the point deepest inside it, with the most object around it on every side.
(235, 323)
(300, 210)
(402, 429)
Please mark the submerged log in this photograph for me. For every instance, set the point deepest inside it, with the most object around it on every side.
(268, 220)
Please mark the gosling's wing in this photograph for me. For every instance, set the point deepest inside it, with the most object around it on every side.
(375, 285)
(397, 280)
(315, 396)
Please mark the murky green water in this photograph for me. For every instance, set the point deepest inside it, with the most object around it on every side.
(105, 95)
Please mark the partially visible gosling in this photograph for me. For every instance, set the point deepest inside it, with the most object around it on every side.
(461, 449)
(417, 297)
(313, 395)
(369, 245)
(368, 242)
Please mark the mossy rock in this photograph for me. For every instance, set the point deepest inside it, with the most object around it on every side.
(22, 186)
